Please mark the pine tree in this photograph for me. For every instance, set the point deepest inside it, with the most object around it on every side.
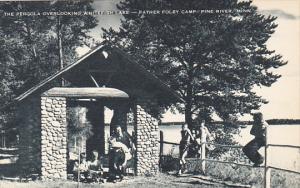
(213, 61)
(30, 49)
(50, 44)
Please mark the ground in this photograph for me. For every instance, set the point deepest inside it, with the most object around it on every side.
(218, 175)
(162, 180)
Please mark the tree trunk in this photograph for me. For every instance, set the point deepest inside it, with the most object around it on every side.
(59, 43)
(188, 107)
(35, 60)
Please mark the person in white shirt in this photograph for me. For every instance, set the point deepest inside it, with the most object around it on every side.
(205, 136)
(95, 169)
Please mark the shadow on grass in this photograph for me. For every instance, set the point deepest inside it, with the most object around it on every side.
(190, 182)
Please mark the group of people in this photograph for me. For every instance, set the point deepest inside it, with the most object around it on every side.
(88, 170)
(189, 141)
(121, 149)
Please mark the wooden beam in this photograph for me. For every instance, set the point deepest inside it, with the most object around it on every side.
(86, 92)
(95, 82)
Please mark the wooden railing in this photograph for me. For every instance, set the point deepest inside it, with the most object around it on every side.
(267, 167)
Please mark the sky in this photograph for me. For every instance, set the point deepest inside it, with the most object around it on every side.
(284, 95)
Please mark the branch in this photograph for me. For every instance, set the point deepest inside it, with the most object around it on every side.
(181, 60)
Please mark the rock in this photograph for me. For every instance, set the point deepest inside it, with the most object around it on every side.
(48, 105)
(44, 158)
(55, 124)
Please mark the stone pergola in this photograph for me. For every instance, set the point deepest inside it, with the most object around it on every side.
(106, 76)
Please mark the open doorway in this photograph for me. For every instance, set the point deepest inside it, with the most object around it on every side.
(90, 126)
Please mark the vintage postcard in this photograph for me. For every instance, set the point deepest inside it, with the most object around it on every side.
(150, 93)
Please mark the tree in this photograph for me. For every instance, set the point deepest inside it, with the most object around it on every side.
(78, 126)
(213, 60)
(30, 47)
(71, 31)
(51, 40)
(9, 48)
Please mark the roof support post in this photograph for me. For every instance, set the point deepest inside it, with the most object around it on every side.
(94, 80)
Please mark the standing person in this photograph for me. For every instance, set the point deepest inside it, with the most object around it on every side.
(258, 130)
(185, 142)
(203, 136)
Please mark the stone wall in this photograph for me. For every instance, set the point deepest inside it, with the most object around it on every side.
(147, 141)
(29, 125)
(53, 138)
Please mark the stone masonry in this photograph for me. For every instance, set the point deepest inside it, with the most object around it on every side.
(53, 138)
(147, 142)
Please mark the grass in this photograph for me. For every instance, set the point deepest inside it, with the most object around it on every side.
(238, 174)
(161, 180)
(225, 172)
(252, 176)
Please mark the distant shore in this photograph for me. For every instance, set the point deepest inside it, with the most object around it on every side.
(270, 121)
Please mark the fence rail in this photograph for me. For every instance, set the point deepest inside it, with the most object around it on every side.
(229, 162)
(223, 145)
(267, 167)
(284, 146)
(286, 170)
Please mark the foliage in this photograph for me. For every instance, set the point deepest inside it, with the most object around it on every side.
(29, 49)
(78, 125)
(222, 135)
(213, 61)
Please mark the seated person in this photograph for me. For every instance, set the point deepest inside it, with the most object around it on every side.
(258, 130)
(119, 155)
(95, 170)
(81, 168)
(124, 138)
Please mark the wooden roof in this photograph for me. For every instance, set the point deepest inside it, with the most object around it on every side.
(118, 70)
